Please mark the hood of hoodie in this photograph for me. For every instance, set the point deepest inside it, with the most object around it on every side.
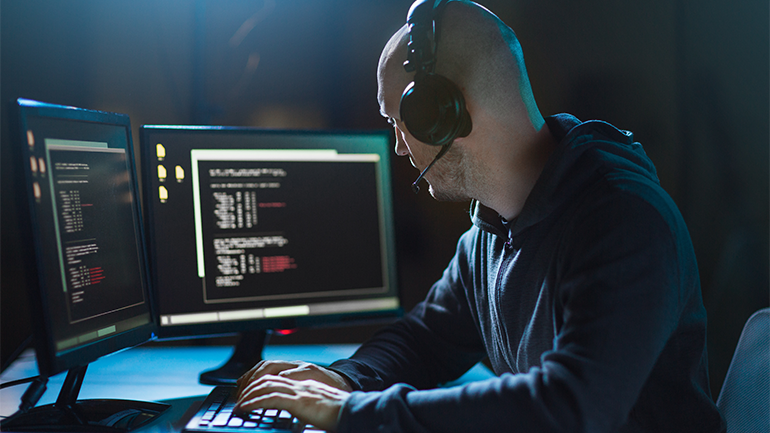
(585, 151)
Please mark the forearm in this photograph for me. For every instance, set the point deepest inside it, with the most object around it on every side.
(500, 404)
(410, 352)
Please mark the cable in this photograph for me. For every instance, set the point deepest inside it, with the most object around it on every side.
(28, 400)
(33, 394)
(27, 341)
(17, 382)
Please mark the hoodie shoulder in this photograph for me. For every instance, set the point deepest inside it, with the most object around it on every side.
(566, 127)
(587, 152)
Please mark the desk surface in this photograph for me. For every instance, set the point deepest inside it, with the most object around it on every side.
(167, 374)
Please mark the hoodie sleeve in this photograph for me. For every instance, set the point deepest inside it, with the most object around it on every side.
(434, 343)
(620, 298)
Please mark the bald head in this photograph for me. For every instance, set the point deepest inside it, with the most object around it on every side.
(479, 53)
(500, 160)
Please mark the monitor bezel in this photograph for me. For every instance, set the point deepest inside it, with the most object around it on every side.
(215, 329)
(50, 362)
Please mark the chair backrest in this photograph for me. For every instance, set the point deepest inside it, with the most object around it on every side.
(745, 396)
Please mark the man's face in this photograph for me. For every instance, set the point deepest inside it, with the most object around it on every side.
(419, 153)
(445, 176)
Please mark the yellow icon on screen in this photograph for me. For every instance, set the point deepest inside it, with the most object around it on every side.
(161, 172)
(162, 193)
(179, 173)
(160, 151)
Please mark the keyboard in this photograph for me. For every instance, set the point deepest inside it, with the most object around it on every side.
(216, 415)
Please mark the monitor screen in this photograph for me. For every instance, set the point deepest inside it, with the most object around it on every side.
(255, 229)
(90, 294)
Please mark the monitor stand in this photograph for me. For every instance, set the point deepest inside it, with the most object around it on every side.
(69, 414)
(248, 352)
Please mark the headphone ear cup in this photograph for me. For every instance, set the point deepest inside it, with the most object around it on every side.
(433, 110)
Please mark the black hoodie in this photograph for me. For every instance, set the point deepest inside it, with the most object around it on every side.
(588, 306)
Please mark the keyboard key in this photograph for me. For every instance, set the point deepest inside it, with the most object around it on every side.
(221, 420)
(217, 413)
(283, 424)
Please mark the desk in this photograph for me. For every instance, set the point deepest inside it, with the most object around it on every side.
(166, 374)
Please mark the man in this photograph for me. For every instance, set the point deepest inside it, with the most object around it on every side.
(577, 280)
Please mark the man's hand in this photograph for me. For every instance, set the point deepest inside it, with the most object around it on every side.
(296, 370)
(311, 401)
(313, 394)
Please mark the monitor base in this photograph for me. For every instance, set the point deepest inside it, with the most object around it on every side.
(69, 414)
(248, 352)
(86, 416)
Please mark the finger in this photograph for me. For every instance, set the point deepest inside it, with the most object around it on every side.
(288, 388)
(274, 367)
(310, 401)
(263, 368)
(273, 400)
(266, 384)
(255, 393)
(246, 377)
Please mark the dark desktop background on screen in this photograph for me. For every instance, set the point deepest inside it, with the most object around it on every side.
(309, 222)
(252, 228)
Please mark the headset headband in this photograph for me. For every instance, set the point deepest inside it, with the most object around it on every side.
(423, 27)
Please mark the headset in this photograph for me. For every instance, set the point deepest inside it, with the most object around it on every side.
(432, 106)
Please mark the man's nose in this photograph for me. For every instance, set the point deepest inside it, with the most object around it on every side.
(401, 149)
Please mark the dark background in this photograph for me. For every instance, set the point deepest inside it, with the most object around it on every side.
(689, 77)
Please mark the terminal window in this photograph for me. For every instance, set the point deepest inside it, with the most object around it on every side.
(245, 232)
(91, 198)
(266, 225)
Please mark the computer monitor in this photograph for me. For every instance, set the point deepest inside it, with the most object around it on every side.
(256, 229)
(89, 293)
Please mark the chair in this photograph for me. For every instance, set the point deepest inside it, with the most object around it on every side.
(745, 396)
